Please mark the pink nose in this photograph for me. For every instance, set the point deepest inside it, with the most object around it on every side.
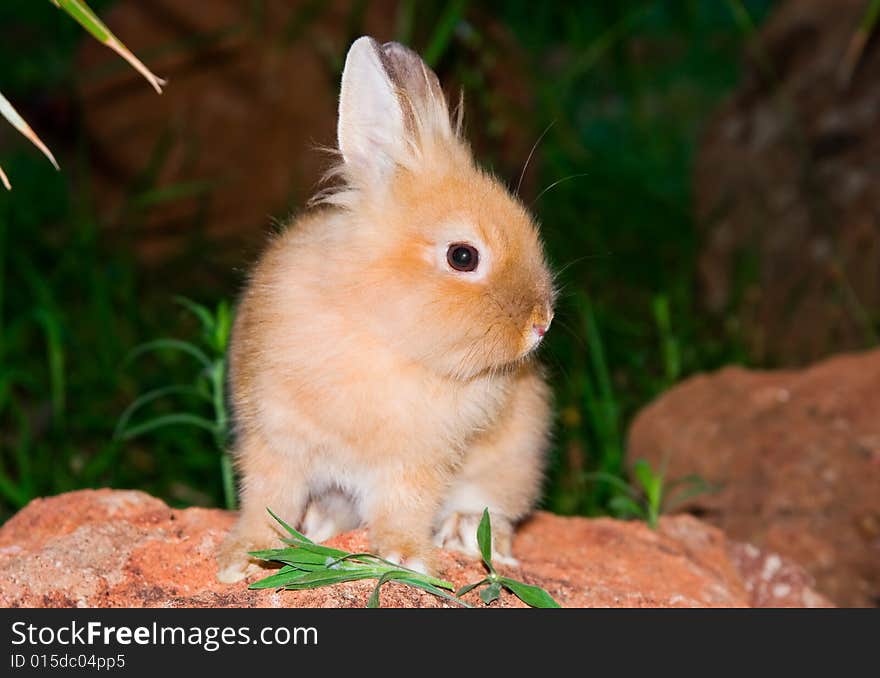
(540, 330)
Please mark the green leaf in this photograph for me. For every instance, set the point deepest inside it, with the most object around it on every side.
(613, 480)
(470, 587)
(491, 593)
(170, 345)
(293, 556)
(274, 581)
(8, 112)
(624, 506)
(223, 326)
(376, 561)
(418, 583)
(443, 31)
(290, 530)
(51, 323)
(308, 565)
(201, 312)
(81, 12)
(689, 487)
(331, 554)
(168, 420)
(643, 473)
(149, 397)
(530, 595)
(373, 601)
(313, 580)
(484, 539)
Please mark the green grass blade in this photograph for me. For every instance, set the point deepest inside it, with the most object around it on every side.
(452, 14)
(330, 553)
(201, 312)
(652, 483)
(151, 396)
(168, 420)
(81, 12)
(530, 595)
(299, 580)
(170, 345)
(50, 321)
(293, 555)
(222, 326)
(491, 593)
(314, 580)
(613, 480)
(19, 123)
(373, 601)
(626, 507)
(311, 558)
(668, 343)
(682, 490)
(273, 581)
(418, 583)
(309, 565)
(609, 416)
(371, 560)
(484, 539)
(470, 587)
(294, 533)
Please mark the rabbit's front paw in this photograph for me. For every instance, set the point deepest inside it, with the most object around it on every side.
(458, 532)
(234, 563)
(419, 565)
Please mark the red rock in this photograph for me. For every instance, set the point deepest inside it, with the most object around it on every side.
(796, 456)
(127, 549)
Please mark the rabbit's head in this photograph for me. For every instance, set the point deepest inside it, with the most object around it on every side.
(441, 261)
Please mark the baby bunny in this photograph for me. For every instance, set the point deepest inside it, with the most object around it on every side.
(381, 364)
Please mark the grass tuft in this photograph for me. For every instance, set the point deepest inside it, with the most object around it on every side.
(307, 565)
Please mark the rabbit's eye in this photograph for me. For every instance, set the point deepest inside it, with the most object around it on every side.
(462, 257)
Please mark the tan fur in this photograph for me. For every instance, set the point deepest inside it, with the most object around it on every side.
(361, 366)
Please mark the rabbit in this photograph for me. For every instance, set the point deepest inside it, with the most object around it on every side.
(382, 360)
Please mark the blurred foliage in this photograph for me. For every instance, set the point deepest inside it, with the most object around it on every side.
(626, 86)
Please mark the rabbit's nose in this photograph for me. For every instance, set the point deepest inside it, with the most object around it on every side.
(541, 319)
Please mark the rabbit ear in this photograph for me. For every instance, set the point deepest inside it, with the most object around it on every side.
(390, 104)
(424, 104)
(371, 129)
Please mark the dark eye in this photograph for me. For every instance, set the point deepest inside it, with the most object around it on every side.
(462, 257)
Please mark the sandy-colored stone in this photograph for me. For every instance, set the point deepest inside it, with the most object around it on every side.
(795, 456)
(127, 549)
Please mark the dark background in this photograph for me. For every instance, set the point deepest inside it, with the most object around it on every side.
(701, 202)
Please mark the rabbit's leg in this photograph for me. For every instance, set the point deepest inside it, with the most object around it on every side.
(502, 471)
(399, 509)
(270, 479)
(330, 513)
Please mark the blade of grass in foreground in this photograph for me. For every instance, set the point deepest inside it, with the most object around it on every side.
(307, 565)
(81, 12)
(19, 123)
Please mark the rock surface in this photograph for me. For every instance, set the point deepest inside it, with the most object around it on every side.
(784, 188)
(127, 549)
(795, 456)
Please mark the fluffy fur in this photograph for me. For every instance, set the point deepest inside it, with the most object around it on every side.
(372, 383)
